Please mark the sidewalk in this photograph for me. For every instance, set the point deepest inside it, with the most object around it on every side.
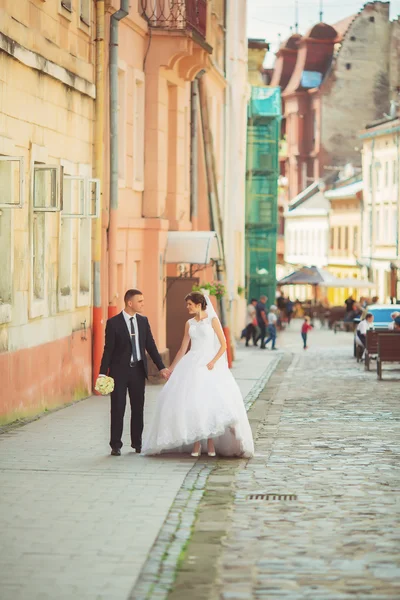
(75, 522)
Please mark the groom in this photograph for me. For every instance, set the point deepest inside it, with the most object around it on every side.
(128, 336)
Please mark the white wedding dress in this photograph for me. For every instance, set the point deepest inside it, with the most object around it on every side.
(196, 404)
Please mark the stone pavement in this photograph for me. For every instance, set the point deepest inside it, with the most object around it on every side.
(329, 435)
(76, 523)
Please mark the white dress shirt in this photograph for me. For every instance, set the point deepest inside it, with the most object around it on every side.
(136, 329)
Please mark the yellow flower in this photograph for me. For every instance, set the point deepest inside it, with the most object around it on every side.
(104, 385)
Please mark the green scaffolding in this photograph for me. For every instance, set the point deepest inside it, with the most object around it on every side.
(263, 134)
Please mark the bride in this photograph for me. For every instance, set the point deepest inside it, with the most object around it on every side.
(201, 406)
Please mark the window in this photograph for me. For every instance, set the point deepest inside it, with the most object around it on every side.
(121, 124)
(394, 173)
(46, 199)
(46, 188)
(67, 4)
(138, 131)
(348, 66)
(355, 240)
(38, 256)
(386, 174)
(11, 181)
(339, 242)
(346, 238)
(378, 223)
(6, 253)
(85, 11)
(332, 234)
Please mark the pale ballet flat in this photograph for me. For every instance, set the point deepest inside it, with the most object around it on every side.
(196, 454)
(212, 454)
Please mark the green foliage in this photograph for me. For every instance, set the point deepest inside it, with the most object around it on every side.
(216, 288)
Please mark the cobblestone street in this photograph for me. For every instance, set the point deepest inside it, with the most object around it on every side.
(328, 434)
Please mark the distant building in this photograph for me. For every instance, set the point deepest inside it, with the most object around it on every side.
(380, 242)
(345, 237)
(307, 234)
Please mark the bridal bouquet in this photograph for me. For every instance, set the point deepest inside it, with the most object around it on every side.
(104, 385)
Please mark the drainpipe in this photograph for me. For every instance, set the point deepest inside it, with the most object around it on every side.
(112, 227)
(98, 331)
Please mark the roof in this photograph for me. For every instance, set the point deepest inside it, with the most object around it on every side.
(304, 195)
(346, 191)
(343, 25)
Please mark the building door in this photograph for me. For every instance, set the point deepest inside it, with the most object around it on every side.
(177, 289)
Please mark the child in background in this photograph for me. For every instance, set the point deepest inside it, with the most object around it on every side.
(272, 322)
(306, 327)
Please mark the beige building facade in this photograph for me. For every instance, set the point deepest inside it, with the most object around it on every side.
(47, 189)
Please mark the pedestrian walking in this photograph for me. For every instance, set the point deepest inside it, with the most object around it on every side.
(272, 321)
(305, 329)
(289, 308)
(262, 321)
(251, 322)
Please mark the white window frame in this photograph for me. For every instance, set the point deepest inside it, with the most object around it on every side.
(96, 214)
(65, 301)
(59, 177)
(38, 157)
(6, 307)
(20, 159)
(84, 298)
(138, 77)
(81, 19)
(86, 198)
(81, 214)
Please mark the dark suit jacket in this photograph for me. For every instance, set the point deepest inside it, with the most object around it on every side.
(118, 348)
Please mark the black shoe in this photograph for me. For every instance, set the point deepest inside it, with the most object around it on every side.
(263, 348)
(137, 449)
(115, 452)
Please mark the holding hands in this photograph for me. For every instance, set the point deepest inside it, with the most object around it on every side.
(165, 374)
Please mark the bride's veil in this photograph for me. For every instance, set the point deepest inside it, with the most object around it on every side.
(213, 315)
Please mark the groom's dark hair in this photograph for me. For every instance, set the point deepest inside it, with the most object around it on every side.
(130, 294)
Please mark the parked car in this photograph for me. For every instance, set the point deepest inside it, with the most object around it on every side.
(381, 314)
(382, 317)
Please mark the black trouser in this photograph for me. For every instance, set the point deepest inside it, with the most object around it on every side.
(132, 380)
(263, 333)
(251, 332)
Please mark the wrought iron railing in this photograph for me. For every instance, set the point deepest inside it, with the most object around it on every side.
(176, 14)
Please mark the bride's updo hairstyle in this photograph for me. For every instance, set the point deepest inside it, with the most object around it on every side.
(197, 298)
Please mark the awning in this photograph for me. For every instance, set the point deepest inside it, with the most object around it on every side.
(350, 282)
(193, 247)
(317, 276)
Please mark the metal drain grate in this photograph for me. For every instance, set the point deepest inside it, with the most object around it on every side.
(272, 497)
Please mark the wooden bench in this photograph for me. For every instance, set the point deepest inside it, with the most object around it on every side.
(371, 347)
(388, 350)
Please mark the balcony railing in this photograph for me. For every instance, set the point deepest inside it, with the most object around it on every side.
(176, 14)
